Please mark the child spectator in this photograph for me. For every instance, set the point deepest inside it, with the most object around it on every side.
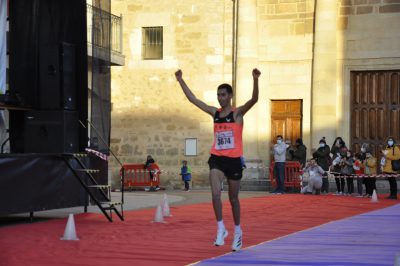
(186, 173)
(153, 168)
(370, 168)
(359, 171)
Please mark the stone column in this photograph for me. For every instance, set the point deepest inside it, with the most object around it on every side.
(324, 94)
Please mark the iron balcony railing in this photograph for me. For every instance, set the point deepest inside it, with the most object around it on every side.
(104, 29)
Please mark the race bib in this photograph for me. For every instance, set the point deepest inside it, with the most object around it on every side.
(224, 140)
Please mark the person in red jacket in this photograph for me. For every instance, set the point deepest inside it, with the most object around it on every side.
(154, 171)
(359, 171)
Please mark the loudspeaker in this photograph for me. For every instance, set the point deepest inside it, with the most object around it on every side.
(51, 131)
(57, 77)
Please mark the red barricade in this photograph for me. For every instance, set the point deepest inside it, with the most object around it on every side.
(293, 170)
(137, 176)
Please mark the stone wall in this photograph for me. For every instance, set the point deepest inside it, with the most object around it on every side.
(150, 114)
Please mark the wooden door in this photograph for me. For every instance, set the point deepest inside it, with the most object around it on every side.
(286, 117)
(375, 108)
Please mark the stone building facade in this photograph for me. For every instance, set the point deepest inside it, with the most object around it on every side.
(305, 49)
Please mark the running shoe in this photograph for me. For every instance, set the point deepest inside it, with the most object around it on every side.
(221, 234)
(237, 242)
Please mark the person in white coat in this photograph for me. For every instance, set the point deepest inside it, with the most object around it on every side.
(279, 150)
(313, 173)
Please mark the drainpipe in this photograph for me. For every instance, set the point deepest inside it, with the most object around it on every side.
(312, 72)
(235, 19)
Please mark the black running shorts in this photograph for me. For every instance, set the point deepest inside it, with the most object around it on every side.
(231, 167)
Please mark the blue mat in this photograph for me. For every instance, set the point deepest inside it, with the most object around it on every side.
(368, 239)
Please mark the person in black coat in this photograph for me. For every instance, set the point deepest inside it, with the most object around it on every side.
(338, 151)
(299, 152)
(323, 159)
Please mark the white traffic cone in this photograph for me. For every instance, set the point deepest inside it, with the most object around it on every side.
(158, 217)
(165, 207)
(374, 197)
(70, 231)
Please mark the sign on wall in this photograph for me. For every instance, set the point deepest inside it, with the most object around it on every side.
(191, 147)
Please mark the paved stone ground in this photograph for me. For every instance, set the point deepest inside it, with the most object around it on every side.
(134, 200)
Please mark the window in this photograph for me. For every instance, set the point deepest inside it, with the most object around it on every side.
(152, 43)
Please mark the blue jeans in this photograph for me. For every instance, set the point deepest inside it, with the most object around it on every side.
(279, 170)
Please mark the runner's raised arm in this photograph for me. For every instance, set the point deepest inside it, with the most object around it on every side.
(241, 110)
(191, 97)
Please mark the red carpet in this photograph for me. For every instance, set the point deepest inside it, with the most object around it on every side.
(187, 237)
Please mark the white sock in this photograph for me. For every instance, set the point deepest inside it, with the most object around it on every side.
(221, 225)
(238, 229)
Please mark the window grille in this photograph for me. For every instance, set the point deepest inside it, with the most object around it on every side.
(152, 43)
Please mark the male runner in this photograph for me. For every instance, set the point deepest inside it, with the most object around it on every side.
(226, 151)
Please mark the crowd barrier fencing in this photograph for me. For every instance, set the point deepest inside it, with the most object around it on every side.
(136, 176)
(293, 170)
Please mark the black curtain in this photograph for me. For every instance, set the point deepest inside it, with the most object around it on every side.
(36, 24)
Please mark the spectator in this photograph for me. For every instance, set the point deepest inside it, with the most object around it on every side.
(279, 168)
(390, 153)
(363, 151)
(370, 168)
(338, 151)
(323, 159)
(186, 173)
(289, 156)
(359, 171)
(314, 173)
(347, 170)
(153, 168)
(299, 152)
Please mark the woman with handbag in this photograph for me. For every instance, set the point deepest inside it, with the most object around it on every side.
(390, 154)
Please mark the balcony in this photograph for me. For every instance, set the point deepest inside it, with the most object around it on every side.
(104, 35)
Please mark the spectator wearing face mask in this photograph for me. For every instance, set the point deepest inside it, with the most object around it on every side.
(322, 158)
(391, 152)
(279, 150)
(338, 151)
(370, 169)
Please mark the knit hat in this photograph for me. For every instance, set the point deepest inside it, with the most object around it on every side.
(322, 140)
